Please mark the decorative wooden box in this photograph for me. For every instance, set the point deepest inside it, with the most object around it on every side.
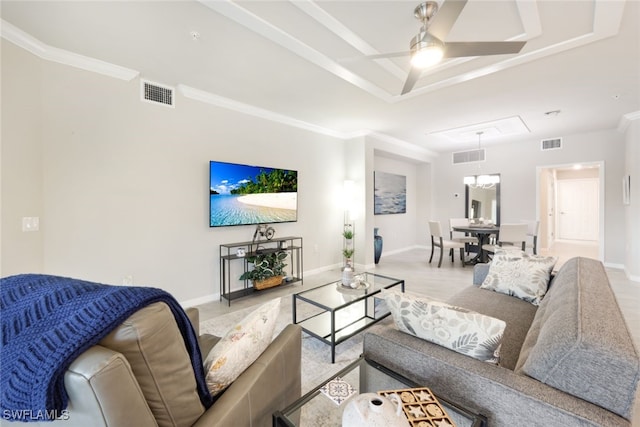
(421, 407)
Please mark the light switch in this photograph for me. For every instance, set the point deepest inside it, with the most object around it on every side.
(30, 223)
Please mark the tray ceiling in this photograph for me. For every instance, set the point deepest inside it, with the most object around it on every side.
(306, 61)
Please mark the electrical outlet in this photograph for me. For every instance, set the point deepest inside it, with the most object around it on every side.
(127, 280)
(30, 223)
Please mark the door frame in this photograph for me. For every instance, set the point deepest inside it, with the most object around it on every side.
(601, 200)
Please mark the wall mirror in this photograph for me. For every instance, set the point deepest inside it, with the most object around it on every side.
(482, 197)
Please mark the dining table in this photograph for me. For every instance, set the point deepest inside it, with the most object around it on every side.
(483, 233)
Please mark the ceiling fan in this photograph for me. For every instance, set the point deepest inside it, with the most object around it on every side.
(428, 47)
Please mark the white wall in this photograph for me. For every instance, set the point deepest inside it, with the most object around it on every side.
(398, 230)
(517, 165)
(121, 186)
(22, 175)
(632, 211)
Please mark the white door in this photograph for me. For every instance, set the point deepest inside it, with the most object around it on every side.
(578, 209)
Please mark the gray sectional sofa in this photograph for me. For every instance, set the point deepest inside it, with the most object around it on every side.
(569, 362)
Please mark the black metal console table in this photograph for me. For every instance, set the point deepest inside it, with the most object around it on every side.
(230, 252)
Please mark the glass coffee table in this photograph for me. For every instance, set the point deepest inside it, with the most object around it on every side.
(338, 313)
(316, 408)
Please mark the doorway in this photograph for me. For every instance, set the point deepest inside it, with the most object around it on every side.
(570, 203)
(578, 209)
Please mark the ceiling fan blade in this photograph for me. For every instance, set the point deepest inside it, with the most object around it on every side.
(377, 56)
(445, 18)
(458, 49)
(388, 55)
(412, 78)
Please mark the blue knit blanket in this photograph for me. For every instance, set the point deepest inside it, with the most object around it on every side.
(48, 321)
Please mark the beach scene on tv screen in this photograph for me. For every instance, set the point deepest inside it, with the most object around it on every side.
(244, 194)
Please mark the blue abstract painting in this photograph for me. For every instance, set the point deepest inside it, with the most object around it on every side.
(389, 194)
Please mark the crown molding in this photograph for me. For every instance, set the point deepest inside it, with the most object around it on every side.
(42, 50)
(241, 107)
(46, 52)
(418, 153)
(625, 121)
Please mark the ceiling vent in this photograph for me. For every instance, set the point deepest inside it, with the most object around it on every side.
(468, 156)
(551, 144)
(157, 94)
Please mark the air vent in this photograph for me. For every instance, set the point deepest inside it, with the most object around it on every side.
(551, 144)
(468, 156)
(157, 94)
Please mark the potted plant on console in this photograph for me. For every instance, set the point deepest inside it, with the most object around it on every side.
(268, 269)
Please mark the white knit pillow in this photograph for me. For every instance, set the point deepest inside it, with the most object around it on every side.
(519, 274)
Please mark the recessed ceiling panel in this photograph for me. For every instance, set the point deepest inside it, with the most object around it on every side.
(510, 126)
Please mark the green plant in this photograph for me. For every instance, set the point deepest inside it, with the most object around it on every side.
(347, 234)
(265, 265)
(348, 253)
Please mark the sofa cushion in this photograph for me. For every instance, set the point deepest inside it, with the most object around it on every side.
(579, 342)
(456, 328)
(153, 345)
(241, 346)
(519, 274)
(516, 313)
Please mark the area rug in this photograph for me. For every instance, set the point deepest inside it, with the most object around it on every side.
(316, 355)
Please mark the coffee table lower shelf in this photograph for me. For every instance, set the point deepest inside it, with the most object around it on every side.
(319, 326)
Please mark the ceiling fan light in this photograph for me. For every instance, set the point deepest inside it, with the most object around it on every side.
(427, 56)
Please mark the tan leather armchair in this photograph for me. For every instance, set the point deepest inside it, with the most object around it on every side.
(141, 375)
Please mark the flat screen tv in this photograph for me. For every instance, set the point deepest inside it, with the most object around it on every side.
(244, 194)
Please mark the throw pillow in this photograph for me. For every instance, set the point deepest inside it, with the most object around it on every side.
(455, 328)
(240, 347)
(519, 274)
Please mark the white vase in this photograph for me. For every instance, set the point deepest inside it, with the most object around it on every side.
(347, 276)
(373, 410)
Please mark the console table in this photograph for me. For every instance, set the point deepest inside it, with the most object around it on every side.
(229, 253)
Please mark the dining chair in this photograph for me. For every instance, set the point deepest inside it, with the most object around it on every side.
(437, 241)
(510, 237)
(532, 232)
(459, 236)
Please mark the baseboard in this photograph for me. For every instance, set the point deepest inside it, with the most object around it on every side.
(216, 297)
(201, 300)
(631, 276)
(395, 252)
(624, 269)
(613, 265)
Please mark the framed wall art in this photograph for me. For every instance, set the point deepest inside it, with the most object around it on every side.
(389, 194)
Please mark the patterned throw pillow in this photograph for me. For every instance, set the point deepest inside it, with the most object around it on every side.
(240, 347)
(519, 274)
(455, 328)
